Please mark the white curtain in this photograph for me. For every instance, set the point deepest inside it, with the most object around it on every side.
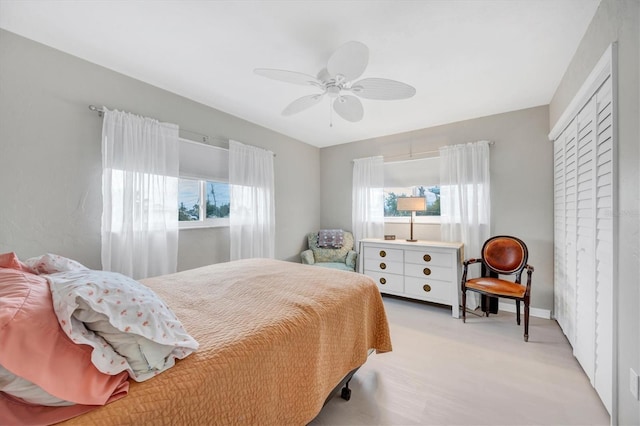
(140, 195)
(252, 216)
(465, 202)
(367, 209)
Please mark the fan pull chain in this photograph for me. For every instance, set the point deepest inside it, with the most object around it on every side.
(330, 115)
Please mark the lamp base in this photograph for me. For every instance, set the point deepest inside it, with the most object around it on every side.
(412, 241)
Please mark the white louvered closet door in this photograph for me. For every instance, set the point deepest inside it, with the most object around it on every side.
(585, 321)
(584, 198)
(561, 304)
(565, 178)
(604, 248)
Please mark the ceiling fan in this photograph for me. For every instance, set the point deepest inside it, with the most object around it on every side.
(337, 82)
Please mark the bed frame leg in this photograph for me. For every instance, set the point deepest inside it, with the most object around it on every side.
(346, 392)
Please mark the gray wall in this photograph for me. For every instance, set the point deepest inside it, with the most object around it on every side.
(50, 157)
(521, 182)
(618, 20)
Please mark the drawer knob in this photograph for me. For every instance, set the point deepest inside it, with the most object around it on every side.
(427, 271)
(427, 257)
(383, 266)
(383, 281)
(426, 288)
(383, 253)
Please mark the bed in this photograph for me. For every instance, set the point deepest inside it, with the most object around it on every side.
(275, 339)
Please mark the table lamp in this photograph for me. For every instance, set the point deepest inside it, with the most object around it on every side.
(413, 205)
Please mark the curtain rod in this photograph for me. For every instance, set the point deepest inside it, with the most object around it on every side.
(412, 154)
(203, 137)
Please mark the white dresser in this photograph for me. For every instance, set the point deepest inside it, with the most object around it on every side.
(424, 270)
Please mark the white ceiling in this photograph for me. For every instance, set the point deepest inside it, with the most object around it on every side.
(466, 58)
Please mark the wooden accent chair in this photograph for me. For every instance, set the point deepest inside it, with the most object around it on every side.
(501, 255)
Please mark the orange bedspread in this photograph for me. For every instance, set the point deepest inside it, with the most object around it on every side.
(275, 338)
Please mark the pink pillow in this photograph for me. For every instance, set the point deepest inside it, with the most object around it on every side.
(35, 348)
(10, 260)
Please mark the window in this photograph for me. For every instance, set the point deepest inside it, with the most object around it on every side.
(217, 200)
(203, 187)
(139, 200)
(203, 201)
(431, 193)
(189, 200)
(413, 178)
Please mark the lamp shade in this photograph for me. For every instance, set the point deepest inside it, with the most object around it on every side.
(412, 204)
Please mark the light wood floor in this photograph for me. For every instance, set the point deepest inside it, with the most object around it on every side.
(444, 372)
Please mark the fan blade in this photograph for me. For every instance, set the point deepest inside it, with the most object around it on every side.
(382, 89)
(288, 76)
(350, 60)
(349, 108)
(302, 103)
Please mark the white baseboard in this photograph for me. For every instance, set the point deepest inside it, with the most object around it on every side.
(534, 312)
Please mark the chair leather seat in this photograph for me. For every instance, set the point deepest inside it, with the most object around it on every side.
(497, 286)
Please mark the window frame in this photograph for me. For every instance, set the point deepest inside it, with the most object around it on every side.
(203, 163)
(204, 221)
(417, 219)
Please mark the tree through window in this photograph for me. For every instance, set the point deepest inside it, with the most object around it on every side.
(199, 200)
(431, 193)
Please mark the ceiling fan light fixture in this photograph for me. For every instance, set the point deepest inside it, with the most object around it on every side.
(333, 91)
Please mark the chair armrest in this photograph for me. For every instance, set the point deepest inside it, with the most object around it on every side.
(307, 257)
(465, 264)
(352, 256)
(470, 261)
(529, 273)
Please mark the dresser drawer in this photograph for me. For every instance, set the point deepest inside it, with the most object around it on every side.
(428, 289)
(384, 266)
(432, 272)
(427, 257)
(387, 282)
(383, 253)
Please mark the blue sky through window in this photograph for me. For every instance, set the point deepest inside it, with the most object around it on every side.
(189, 193)
(221, 190)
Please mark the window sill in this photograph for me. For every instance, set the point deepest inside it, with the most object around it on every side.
(210, 223)
(417, 220)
